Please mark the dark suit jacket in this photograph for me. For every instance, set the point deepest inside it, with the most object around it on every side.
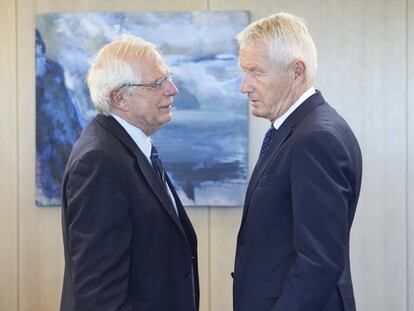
(125, 248)
(293, 244)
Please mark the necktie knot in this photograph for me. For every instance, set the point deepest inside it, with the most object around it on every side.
(267, 140)
(154, 153)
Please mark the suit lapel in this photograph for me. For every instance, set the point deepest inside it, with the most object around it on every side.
(184, 221)
(278, 140)
(152, 179)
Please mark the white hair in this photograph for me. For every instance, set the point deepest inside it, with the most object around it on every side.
(287, 39)
(112, 68)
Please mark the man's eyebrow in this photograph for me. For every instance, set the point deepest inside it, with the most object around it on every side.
(253, 68)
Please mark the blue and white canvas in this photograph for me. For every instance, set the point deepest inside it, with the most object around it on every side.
(204, 148)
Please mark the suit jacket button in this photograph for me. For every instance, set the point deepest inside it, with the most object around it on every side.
(188, 275)
(232, 275)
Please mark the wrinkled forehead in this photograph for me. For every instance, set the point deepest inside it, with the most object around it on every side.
(254, 45)
(252, 53)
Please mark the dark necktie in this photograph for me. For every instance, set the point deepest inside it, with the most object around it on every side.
(157, 164)
(267, 140)
(159, 169)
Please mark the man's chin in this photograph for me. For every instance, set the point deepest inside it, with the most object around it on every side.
(257, 113)
(167, 117)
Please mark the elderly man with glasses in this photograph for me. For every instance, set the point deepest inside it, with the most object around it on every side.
(128, 242)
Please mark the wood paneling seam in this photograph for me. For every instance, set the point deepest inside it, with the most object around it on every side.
(17, 155)
(407, 172)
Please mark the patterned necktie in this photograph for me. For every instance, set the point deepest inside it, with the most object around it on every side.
(157, 164)
(267, 139)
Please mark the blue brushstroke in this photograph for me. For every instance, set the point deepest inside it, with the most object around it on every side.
(57, 123)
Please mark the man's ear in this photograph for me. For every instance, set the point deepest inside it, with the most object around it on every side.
(118, 100)
(299, 70)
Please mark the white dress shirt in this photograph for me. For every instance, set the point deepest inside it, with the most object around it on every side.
(279, 121)
(144, 143)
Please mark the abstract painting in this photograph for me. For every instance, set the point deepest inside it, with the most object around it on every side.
(204, 148)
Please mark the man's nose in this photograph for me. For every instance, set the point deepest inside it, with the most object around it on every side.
(170, 88)
(246, 85)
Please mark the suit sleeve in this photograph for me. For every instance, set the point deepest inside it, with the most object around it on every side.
(99, 232)
(320, 175)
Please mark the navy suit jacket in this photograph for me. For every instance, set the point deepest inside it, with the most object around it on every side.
(293, 244)
(125, 248)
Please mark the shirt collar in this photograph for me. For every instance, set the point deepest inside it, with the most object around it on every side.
(138, 136)
(279, 121)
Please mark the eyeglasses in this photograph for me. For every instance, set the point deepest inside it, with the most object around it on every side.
(156, 85)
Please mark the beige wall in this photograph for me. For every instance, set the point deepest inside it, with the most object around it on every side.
(8, 159)
(363, 48)
(410, 152)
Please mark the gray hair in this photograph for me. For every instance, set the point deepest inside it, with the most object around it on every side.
(287, 38)
(112, 68)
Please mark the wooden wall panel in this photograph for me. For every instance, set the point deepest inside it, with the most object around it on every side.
(410, 151)
(40, 246)
(362, 69)
(8, 159)
(48, 6)
(200, 218)
(224, 226)
(362, 74)
(41, 252)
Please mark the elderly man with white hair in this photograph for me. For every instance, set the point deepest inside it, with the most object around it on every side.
(293, 243)
(128, 243)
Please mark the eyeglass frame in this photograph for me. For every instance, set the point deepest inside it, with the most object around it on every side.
(157, 84)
